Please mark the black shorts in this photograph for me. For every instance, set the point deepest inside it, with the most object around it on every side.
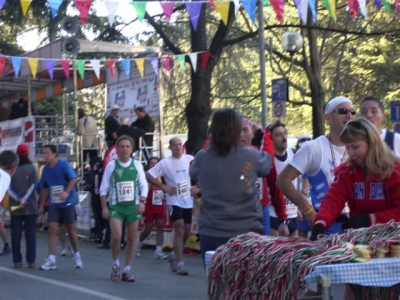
(62, 215)
(177, 213)
(292, 224)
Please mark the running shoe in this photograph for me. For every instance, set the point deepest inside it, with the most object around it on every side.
(173, 263)
(31, 266)
(48, 265)
(115, 275)
(17, 266)
(139, 245)
(65, 251)
(78, 262)
(181, 270)
(6, 250)
(160, 255)
(127, 277)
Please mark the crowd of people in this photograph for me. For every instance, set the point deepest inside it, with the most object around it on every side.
(247, 177)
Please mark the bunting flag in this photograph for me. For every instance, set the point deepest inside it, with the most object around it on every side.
(387, 6)
(54, 6)
(154, 64)
(2, 4)
(193, 9)
(363, 7)
(250, 8)
(33, 65)
(168, 9)
(353, 6)
(2, 64)
(327, 4)
(166, 61)
(83, 6)
(193, 60)
(65, 65)
(223, 9)
(25, 5)
(397, 5)
(111, 66)
(237, 6)
(212, 4)
(279, 8)
(140, 8)
(80, 65)
(181, 61)
(266, 3)
(96, 67)
(126, 65)
(140, 65)
(205, 56)
(302, 10)
(333, 8)
(313, 8)
(16, 62)
(378, 4)
(112, 7)
(49, 63)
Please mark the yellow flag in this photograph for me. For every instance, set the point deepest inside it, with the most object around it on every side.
(223, 9)
(333, 8)
(33, 64)
(140, 65)
(25, 5)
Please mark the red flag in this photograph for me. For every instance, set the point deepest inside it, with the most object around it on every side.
(83, 6)
(2, 64)
(205, 56)
(111, 67)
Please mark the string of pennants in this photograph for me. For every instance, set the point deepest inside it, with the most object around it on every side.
(222, 7)
(166, 61)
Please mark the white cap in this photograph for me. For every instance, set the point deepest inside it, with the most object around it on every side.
(114, 106)
(331, 105)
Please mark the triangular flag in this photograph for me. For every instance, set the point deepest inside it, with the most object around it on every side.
(237, 6)
(279, 8)
(2, 64)
(168, 8)
(33, 65)
(212, 4)
(25, 5)
(2, 3)
(111, 67)
(49, 63)
(266, 3)
(386, 5)
(302, 9)
(154, 64)
(16, 62)
(223, 9)
(333, 8)
(353, 6)
(112, 7)
(166, 61)
(140, 65)
(65, 65)
(83, 6)
(378, 4)
(181, 61)
(96, 67)
(363, 7)
(193, 60)
(126, 64)
(312, 4)
(54, 6)
(250, 8)
(205, 56)
(140, 8)
(80, 65)
(327, 4)
(396, 5)
(193, 9)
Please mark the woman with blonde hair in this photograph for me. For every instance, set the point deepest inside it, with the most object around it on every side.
(369, 181)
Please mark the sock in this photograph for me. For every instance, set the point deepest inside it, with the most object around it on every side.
(158, 248)
(52, 258)
(116, 262)
(180, 264)
(127, 269)
(77, 254)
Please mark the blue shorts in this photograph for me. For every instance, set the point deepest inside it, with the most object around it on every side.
(61, 215)
(335, 227)
(292, 224)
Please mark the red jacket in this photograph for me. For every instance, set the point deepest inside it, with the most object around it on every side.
(379, 199)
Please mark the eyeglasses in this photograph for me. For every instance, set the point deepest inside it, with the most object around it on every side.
(345, 111)
(355, 124)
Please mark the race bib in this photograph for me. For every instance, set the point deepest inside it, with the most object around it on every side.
(182, 190)
(56, 192)
(259, 186)
(125, 191)
(158, 196)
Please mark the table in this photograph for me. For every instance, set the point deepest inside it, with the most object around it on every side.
(379, 272)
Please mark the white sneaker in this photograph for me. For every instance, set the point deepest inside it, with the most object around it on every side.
(139, 245)
(78, 262)
(160, 255)
(48, 265)
(65, 251)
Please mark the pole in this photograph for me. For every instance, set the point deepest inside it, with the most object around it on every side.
(161, 107)
(261, 42)
(77, 138)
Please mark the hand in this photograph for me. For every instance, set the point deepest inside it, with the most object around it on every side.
(140, 208)
(105, 212)
(63, 196)
(357, 222)
(283, 229)
(299, 215)
(40, 211)
(317, 230)
(169, 190)
(310, 217)
(194, 190)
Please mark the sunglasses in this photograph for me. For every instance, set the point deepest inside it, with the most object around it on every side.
(355, 124)
(345, 111)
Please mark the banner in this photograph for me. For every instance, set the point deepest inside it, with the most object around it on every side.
(133, 93)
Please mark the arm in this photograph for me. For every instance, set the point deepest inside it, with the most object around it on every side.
(167, 189)
(71, 185)
(103, 190)
(277, 198)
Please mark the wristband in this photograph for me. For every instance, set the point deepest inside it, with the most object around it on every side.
(309, 211)
(143, 201)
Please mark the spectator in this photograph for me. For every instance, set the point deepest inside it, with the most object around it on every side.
(112, 125)
(19, 109)
(302, 139)
(144, 122)
(87, 128)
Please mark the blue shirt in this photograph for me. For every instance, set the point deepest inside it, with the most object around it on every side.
(56, 179)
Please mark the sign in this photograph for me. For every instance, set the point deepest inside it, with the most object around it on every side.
(279, 109)
(279, 89)
(395, 111)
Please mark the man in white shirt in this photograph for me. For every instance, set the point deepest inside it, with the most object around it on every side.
(372, 109)
(180, 192)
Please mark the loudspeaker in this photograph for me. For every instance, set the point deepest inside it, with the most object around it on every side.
(70, 24)
(71, 46)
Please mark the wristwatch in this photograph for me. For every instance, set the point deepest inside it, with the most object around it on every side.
(143, 201)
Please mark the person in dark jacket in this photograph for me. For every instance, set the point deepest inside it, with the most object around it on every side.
(19, 109)
(145, 122)
(112, 125)
(134, 132)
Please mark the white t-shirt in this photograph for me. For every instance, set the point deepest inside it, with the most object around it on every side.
(176, 174)
(396, 142)
(5, 180)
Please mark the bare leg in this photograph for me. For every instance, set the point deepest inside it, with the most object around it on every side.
(160, 232)
(179, 228)
(53, 227)
(73, 238)
(116, 232)
(131, 236)
(146, 231)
